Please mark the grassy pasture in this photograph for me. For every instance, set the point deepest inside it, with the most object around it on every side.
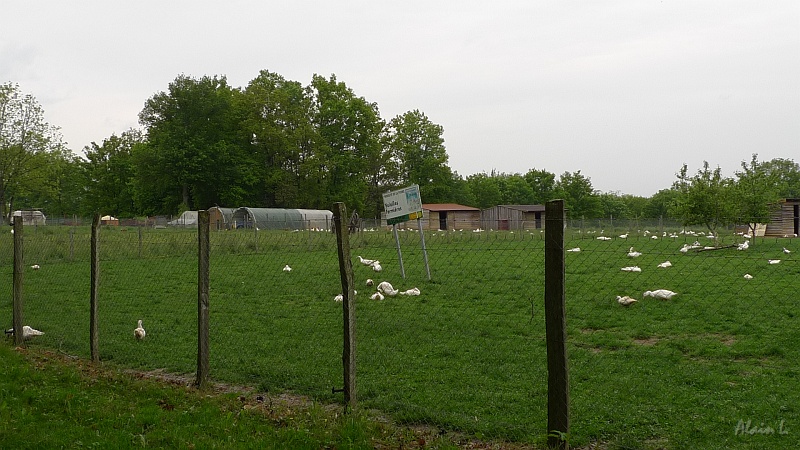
(469, 353)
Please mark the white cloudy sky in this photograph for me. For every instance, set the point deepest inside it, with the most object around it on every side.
(624, 91)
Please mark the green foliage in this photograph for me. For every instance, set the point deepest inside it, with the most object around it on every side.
(705, 198)
(580, 198)
(755, 193)
(786, 174)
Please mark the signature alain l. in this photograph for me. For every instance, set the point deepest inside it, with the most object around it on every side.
(747, 428)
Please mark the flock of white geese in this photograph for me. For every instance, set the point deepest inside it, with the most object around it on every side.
(666, 294)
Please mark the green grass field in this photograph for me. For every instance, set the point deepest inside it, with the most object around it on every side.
(469, 353)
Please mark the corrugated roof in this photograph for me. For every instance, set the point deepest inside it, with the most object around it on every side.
(447, 207)
(525, 208)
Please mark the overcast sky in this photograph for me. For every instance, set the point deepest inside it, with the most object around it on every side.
(624, 91)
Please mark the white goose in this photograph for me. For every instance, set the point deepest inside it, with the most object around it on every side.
(626, 301)
(786, 250)
(377, 296)
(366, 262)
(631, 269)
(574, 250)
(369, 282)
(412, 291)
(747, 276)
(27, 332)
(376, 266)
(662, 294)
(665, 264)
(139, 332)
(634, 254)
(286, 268)
(386, 288)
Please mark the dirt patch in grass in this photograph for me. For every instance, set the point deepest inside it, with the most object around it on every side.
(646, 342)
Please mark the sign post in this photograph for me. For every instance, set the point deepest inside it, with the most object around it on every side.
(401, 206)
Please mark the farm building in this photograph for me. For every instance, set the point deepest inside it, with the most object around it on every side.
(30, 217)
(513, 217)
(449, 216)
(220, 218)
(785, 221)
(282, 219)
(186, 219)
(109, 220)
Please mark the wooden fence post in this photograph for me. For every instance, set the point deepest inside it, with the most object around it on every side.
(94, 289)
(348, 304)
(16, 318)
(203, 254)
(556, 327)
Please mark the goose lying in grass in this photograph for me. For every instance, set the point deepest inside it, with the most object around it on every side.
(27, 332)
(743, 246)
(376, 266)
(139, 332)
(634, 254)
(631, 269)
(366, 262)
(626, 301)
(35, 267)
(369, 282)
(603, 238)
(412, 291)
(377, 296)
(662, 294)
(286, 268)
(774, 261)
(747, 276)
(574, 250)
(665, 264)
(386, 288)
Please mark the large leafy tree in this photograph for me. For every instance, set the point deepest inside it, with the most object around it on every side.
(704, 198)
(417, 148)
(756, 193)
(349, 129)
(543, 185)
(109, 170)
(786, 174)
(580, 198)
(485, 189)
(195, 143)
(27, 144)
(278, 117)
(660, 203)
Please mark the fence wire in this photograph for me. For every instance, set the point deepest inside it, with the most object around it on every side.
(463, 351)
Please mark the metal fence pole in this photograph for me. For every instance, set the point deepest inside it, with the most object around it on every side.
(348, 303)
(556, 327)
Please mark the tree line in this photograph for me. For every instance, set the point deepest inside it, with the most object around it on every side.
(277, 143)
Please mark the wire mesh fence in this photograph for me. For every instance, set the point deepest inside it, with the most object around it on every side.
(464, 350)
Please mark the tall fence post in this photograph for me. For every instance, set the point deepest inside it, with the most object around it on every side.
(556, 327)
(16, 318)
(348, 303)
(203, 254)
(95, 289)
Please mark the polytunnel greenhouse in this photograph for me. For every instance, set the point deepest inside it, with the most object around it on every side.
(282, 219)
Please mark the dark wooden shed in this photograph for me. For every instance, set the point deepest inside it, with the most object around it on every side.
(513, 217)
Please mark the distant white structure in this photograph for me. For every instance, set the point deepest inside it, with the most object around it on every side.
(30, 217)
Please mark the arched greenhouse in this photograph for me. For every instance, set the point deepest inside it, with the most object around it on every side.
(282, 219)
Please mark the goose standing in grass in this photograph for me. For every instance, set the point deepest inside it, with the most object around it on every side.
(626, 301)
(743, 246)
(139, 332)
(338, 298)
(786, 250)
(286, 268)
(662, 294)
(623, 236)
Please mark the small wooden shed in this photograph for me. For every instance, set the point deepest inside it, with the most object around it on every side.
(785, 220)
(450, 216)
(220, 218)
(513, 217)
